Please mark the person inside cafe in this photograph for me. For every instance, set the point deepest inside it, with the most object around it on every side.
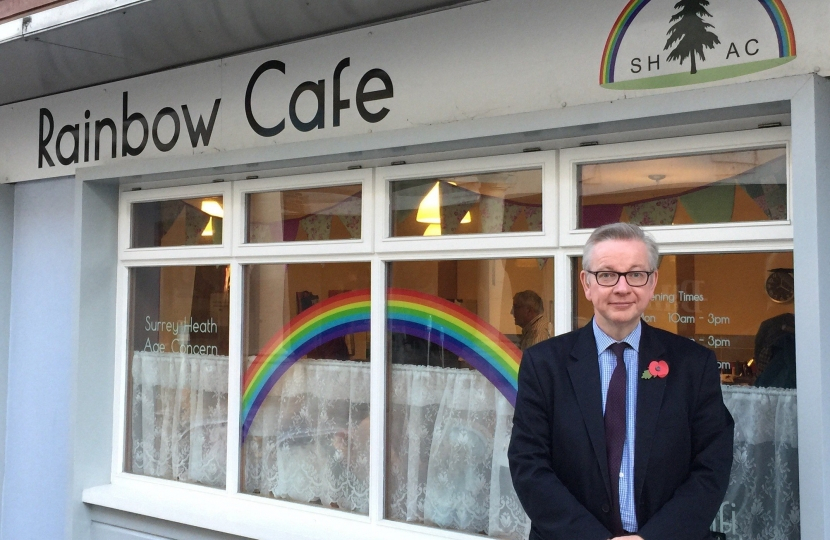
(529, 315)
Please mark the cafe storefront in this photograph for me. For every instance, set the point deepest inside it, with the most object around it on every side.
(286, 278)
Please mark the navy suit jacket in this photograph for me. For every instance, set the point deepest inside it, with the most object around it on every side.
(683, 442)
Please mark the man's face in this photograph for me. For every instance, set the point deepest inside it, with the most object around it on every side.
(618, 308)
(521, 314)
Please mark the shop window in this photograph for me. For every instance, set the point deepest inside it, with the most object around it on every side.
(289, 338)
(740, 305)
(177, 409)
(719, 187)
(309, 214)
(305, 393)
(499, 202)
(177, 222)
(453, 352)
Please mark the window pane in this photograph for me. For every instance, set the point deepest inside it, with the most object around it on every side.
(453, 329)
(180, 222)
(178, 401)
(482, 203)
(327, 213)
(740, 305)
(745, 185)
(305, 393)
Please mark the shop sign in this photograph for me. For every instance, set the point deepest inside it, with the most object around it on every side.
(483, 60)
(665, 43)
(103, 134)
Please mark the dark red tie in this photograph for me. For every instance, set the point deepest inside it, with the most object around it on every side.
(615, 430)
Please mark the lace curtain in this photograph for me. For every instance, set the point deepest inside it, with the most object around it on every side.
(178, 417)
(448, 432)
(762, 501)
(310, 439)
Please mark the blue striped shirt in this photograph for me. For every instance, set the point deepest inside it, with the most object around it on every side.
(607, 363)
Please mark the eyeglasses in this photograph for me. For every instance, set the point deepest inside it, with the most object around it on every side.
(635, 278)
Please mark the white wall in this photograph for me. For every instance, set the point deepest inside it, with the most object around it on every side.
(38, 454)
(59, 325)
(94, 349)
(811, 238)
(6, 236)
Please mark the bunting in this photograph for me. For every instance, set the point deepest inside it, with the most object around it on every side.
(655, 212)
(511, 214)
(710, 205)
(455, 203)
(533, 214)
(349, 212)
(195, 222)
(596, 215)
(317, 226)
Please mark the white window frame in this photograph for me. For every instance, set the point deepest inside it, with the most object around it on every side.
(670, 235)
(234, 512)
(546, 161)
(363, 244)
(128, 198)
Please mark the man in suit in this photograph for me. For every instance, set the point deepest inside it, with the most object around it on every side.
(620, 430)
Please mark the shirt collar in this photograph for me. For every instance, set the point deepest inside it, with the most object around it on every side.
(530, 324)
(604, 340)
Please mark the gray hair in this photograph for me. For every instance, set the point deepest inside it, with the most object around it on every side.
(620, 231)
(529, 299)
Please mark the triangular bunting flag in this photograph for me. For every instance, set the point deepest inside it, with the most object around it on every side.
(349, 213)
(194, 223)
(658, 212)
(455, 203)
(533, 214)
(776, 199)
(317, 226)
(170, 210)
(597, 215)
(710, 205)
(511, 213)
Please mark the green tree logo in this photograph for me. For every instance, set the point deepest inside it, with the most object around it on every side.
(690, 33)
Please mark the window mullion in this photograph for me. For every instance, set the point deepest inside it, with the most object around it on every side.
(234, 378)
(377, 413)
(562, 291)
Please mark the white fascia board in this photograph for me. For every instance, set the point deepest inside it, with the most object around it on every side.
(67, 14)
(11, 30)
(494, 131)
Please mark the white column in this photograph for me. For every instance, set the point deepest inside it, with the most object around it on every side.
(810, 208)
(6, 236)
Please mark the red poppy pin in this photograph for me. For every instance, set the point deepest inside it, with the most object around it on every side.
(657, 368)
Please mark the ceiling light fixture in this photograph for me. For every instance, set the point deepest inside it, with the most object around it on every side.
(213, 208)
(429, 211)
(209, 228)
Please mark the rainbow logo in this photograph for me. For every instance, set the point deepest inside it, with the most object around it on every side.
(410, 312)
(774, 8)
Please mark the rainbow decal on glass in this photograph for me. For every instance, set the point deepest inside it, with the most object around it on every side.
(460, 331)
(423, 315)
(774, 8)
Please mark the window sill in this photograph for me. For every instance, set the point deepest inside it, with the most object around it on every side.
(248, 516)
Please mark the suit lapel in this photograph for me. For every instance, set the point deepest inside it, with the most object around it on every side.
(649, 402)
(583, 370)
